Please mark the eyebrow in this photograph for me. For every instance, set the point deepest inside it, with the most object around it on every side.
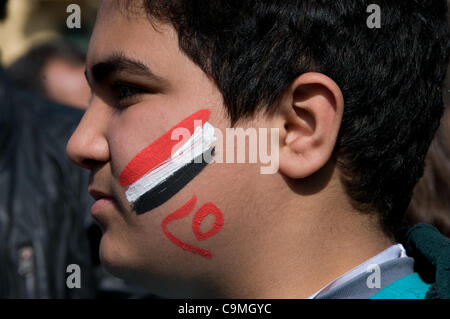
(119, 63)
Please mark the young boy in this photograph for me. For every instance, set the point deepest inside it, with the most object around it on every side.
(348, 107)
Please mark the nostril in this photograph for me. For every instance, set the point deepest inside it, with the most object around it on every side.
(90, 163)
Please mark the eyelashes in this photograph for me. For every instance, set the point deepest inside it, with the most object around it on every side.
(126, 94)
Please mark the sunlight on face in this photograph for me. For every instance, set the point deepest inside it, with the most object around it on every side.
(143, 85)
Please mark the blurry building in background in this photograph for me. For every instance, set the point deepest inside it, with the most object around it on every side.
(42, 53)
(32, 22)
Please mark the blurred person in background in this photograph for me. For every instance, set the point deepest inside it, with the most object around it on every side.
(431, 198)
(45, 224)
(54, 69)
(43, 212)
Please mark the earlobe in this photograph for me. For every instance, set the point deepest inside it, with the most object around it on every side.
(313, 109)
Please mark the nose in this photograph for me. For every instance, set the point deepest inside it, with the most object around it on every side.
(88, 146)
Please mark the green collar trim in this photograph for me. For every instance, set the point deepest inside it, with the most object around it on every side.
(408, 287)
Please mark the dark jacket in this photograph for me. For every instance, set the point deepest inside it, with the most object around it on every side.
(45, 222)
(431, 252)
(44, 206)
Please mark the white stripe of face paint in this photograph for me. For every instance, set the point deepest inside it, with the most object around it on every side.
(200, 142)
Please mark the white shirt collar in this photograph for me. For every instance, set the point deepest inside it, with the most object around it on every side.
(393, 252)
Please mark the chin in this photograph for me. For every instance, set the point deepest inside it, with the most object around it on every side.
(119, 262)
(155, 275)
(112, 256)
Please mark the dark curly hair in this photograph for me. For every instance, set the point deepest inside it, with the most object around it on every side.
(391, 77)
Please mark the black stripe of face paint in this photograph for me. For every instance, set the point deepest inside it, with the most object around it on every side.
(171, 186)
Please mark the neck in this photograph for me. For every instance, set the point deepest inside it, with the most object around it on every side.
(313, 240)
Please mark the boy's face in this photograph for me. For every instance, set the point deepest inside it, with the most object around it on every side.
(121, 121)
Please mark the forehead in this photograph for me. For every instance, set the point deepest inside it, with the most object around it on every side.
(128, 31)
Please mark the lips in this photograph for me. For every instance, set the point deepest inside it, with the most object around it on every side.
(167, 165)
(97, 194)
(103, 201)
(101, 204)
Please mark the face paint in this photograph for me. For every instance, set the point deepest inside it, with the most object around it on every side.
(157, 173)
(162, 192)
(205, 210)
(202, 212)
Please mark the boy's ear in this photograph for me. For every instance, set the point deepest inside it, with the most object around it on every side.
(312, 110)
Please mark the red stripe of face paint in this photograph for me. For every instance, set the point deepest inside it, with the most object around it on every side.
(159, 150)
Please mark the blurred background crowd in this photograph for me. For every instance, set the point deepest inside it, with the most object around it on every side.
(45, 221)
(41, 54)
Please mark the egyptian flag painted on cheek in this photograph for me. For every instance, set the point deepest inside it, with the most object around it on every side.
(164, 167)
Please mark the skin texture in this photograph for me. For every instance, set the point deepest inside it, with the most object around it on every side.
(284, 235)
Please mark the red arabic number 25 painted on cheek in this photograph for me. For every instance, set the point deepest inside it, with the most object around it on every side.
(200, 215)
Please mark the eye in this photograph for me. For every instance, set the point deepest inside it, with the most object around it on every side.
(126, 93)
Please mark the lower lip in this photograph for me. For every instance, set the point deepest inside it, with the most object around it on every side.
(101, 205)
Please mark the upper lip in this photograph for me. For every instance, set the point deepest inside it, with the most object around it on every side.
(98, 194)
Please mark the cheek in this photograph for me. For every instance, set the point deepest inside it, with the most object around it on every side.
(189, 224)
(157, 173)
(129, 133)
(136, 127)
(198, 218)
